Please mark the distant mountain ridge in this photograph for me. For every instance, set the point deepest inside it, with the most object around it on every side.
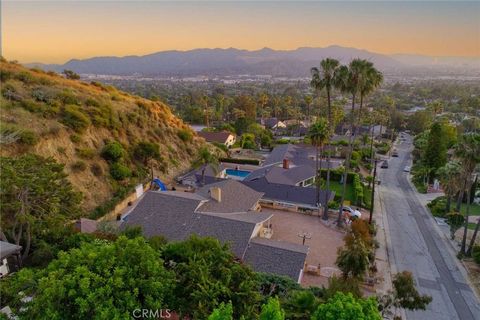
(231, 61)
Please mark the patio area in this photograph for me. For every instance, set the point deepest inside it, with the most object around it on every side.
(322, 241)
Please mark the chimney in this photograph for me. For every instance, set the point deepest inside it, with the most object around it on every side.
(286, 164)
(216, 194)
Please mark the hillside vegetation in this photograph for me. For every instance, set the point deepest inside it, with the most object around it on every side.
(108, 140)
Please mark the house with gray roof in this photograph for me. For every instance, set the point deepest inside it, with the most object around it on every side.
(264, 254)
(226, 210)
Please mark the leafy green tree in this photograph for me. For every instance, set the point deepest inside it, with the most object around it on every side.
(300, 304)
(353, 258)
(208, 274)
(99, 280)
(346, 307)
(403, 296)
(419, 122)
(35, 197)
(435, 155)
(272, 310)
(223, 312)
(69, 74)
(145, 151)
(113, 151)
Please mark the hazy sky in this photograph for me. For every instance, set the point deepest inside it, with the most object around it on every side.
(56, 31)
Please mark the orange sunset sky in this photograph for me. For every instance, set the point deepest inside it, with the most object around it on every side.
(56, 31)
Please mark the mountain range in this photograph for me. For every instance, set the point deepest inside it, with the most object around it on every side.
(266, 61)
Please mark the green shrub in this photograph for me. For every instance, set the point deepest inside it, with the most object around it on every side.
(31, 105)
(113, 151)
(185, 135)
(241, 161)
(79, 166)
(74, 118)
(86, 153)
(438, 206)
(75, 138)
(476, 254)
(26, 77)
(145, 150)
(220, 146)
(282, 141)
(358, 189)
(119, 171)
(28, 137)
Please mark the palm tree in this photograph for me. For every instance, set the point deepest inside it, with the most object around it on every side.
(262, 103)
(449, 178)
(326, 78)
(204, 159)
(348, 81)
(468, 150)
(370, 80)
(319, 134)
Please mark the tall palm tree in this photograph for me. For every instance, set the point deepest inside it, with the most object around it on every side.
(326, 78)
(319, 134)
(349, 81)
(468, 150)
(370, 80)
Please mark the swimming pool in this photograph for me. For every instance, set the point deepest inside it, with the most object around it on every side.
(237, 174)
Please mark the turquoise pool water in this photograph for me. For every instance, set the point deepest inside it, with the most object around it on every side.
(237, 173)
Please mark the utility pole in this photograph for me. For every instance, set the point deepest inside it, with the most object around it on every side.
(373, 191)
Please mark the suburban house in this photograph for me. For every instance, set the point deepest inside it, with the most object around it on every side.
(226, 210)
(193, 178)
(224, 137)
(273, 123)
(9, 257)
(291, 165)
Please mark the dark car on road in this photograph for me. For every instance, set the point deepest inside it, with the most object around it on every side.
(395, 153)
(384, 165)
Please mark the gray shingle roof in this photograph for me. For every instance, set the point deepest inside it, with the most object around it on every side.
(7, 249)
(288, 193)
(236, 197)
(277, 257)
(173, 215)
(164, 214)
(290, 176)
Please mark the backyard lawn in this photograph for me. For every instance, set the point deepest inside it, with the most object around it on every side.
(338, 188)
(474, 209)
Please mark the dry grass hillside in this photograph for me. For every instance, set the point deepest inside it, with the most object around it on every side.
(72, 121)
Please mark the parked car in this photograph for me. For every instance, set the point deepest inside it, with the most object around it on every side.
(384, 165)
(406, 169)
(395, 153)
(348, 209)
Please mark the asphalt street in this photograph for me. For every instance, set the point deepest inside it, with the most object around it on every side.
(416, 245)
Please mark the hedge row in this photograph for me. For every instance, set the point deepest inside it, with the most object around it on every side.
(240, 161)
(358, 189)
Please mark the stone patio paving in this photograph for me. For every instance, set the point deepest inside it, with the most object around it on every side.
(323, 243)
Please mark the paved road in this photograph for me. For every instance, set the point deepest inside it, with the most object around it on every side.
(416, 245)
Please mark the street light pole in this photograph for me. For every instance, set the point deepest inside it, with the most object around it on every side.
(373, 191)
